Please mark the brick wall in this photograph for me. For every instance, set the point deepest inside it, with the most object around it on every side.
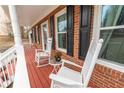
(106, 77)
(101, 76)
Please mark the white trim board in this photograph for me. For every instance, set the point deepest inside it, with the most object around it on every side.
(112, 27)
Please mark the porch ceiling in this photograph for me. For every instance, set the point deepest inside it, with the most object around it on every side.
(30, 14)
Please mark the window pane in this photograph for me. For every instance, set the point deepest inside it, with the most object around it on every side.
(61, 23)
(113, 46)
(112, 15)
(62, 40)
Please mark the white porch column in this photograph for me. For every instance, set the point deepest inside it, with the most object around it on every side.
(21, 79)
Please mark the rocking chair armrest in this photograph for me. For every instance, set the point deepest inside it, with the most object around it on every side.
(71, 63)
(38, 50)
(63, 80)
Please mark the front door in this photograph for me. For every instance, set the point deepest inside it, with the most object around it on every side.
(44, 29)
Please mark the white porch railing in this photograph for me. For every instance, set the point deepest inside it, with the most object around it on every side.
(7, 67)
(13, 70)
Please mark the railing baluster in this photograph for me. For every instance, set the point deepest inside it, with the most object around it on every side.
(14, 61)
(11, 69)
(8, 73)
(5, 80)
(1, 84)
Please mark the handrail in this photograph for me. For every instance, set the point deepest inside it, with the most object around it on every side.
(7, 52)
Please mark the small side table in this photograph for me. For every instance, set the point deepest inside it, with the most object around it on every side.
(55, 64)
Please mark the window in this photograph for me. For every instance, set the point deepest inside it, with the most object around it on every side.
(61, 25)
(112, 31)
(61, 30)
(45, 35)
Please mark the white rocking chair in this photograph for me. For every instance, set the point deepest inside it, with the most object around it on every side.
(69, 78)
(42, 56)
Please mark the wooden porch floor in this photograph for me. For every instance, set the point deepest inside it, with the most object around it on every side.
(38, 76)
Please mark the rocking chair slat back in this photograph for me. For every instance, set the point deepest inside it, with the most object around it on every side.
(90, 60)
(49, 45)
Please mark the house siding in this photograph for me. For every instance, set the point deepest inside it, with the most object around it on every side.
(102, 76)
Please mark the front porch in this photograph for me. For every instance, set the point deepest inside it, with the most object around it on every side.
(71, 33)
(39, 76)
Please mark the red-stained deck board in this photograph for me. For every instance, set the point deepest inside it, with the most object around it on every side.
(37, 79)
(48, 71)
(33, 85)
(38, 76)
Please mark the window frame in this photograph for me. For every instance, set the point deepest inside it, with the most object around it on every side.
(96, 35)
(56, 30)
